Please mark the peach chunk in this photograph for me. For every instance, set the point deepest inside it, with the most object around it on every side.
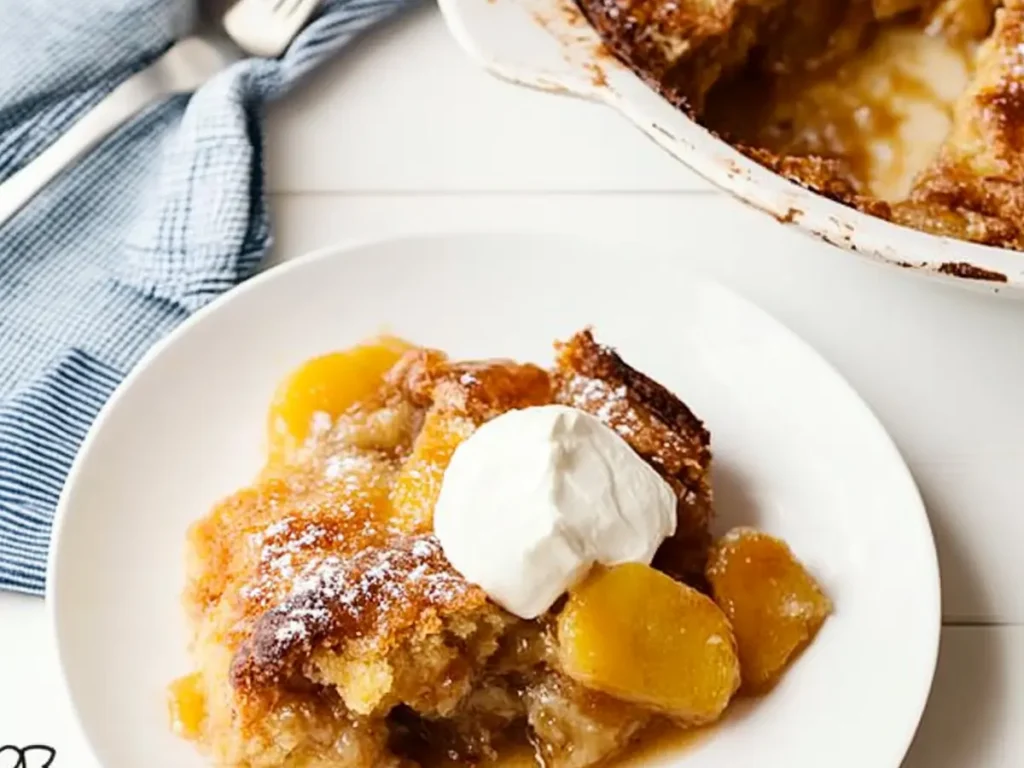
(418, 483)
(328, 384)
(187, 706)
(775, 606)
(638, 635)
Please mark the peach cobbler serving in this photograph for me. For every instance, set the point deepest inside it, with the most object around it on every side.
(909, 110)
(444, 562)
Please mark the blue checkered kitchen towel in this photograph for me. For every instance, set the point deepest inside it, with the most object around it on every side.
(162, 218)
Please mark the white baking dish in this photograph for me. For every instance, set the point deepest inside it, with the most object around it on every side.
(548, 44)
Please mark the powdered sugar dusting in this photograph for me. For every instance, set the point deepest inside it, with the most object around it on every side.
(280, 545)
(350, 467)
(277, 528)
(291, 630)
(1017, 63)
(422, 548)
(374, 594)
(320, 424)
(382, 575)
(607, 403)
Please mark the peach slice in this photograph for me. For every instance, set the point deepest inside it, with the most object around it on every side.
(187, 705)
(327, 385)
(775, 606)
(638, 635)
(419, 482)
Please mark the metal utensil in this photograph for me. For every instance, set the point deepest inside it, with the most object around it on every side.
(257, 27)
(267, 27)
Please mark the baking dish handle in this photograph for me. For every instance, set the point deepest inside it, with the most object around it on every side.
(545, 44)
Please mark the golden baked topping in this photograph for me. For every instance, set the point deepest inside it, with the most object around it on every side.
(329, 629)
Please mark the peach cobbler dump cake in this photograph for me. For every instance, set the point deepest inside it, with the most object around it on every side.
(331, 630)
(909, 110)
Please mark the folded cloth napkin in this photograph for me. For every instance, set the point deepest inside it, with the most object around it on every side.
(160, 219)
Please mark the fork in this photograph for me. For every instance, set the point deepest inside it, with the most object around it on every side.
(257, 27)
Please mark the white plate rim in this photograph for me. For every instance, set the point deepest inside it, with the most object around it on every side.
(349, 248)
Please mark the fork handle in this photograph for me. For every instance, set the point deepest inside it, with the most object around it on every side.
(128, 99)
(182, 68)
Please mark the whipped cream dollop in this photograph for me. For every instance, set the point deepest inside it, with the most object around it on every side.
(535, 497)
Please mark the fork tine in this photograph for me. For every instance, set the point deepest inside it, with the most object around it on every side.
(266, 27)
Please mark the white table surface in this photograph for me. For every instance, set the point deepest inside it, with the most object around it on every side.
(403, 134)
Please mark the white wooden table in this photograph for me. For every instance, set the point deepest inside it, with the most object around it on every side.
(403, 134)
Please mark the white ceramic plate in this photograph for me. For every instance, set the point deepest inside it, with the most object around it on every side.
(796, 452)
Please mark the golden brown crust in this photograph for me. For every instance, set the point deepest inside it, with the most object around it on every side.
(979, 172)
(659, 427)
(681, 48)
(378, 595)
(321, 601)
(809, 35)
(934, 216)
(479, 389)
(347, 569)
(828, 176)
(358, 562)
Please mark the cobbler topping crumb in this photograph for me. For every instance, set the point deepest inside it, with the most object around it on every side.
(290, 631)
(352, 468)
(609, 404)
(372, 594)
(1017, 64)
(320, 424)
(280, 544)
